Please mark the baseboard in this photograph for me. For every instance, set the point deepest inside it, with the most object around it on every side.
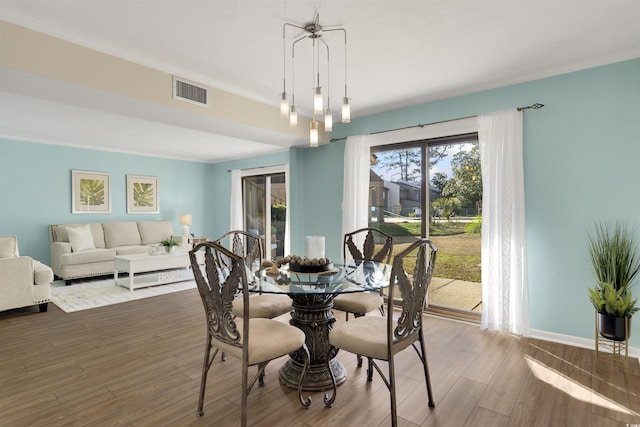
(634, 352)
(589, 343)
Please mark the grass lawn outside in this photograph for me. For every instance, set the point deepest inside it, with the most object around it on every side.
(458, 252)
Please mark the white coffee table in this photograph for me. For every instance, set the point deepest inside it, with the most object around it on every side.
(166, 268)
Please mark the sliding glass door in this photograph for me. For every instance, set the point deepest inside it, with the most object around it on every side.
(433, 188)
(265, 205)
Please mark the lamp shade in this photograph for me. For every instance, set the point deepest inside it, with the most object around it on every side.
(185, 219)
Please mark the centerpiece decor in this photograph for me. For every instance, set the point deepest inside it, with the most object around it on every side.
(170, 245)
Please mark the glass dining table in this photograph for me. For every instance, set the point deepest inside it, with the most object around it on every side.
(312, 295)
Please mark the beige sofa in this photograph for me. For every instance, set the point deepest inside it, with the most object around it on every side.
(87, 250)
(23, 280)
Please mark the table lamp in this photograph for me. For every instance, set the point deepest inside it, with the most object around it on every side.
(185, 220)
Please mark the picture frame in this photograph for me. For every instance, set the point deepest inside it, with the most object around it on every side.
(143, 194)
(90, 192)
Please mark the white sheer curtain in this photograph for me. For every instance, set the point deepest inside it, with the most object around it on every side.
(505, 292)
(236, 221)
(355, 194)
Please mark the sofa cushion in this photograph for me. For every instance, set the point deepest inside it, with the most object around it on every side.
(9, 247)
(59, 233)
(42, 274)
(121, 233)
(131, 250)
(154, 231)
(89, 256)
(80, 238)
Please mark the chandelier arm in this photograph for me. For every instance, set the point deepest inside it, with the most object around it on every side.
(291, 25)
(326, 30)
(293, 55)
(315, 31)
(284, 60)
(293, 75)
(327, 46)
(345, 54)
(328, 71)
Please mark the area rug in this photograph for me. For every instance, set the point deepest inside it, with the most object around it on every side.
(98, 293)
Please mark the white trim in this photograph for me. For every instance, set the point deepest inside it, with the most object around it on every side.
(266, 170)
(588, 343)
(236, 217)
(416, 133)
(575, 341)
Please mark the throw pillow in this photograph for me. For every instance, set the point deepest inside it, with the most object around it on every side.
(80, 238)
(9, 247)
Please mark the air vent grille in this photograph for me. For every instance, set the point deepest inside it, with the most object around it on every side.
(189, 92)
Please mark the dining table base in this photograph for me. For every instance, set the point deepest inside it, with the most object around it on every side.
(318, 378)
(312, 314)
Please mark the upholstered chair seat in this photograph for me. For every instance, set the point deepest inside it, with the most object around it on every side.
(359, 302)
(264, 333)
(381, 338)
(250, 246)
(266, 306)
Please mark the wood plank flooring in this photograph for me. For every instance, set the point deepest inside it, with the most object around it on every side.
(138, 364)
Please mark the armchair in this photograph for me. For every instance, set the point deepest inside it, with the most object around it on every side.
(23, 280)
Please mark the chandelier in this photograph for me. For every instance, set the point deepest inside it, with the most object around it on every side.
(313, 31)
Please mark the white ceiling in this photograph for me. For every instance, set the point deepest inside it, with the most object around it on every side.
(399, 53)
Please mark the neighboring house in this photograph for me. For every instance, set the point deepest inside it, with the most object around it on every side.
(378, 197)
(397, 197)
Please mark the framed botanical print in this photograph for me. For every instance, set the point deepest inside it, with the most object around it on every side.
(90, 192)
(142, 194)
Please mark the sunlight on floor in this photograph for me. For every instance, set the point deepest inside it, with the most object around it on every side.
(571, 387)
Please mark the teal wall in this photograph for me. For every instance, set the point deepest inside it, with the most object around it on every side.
(581, 161)
(35, 189)
(581, 156)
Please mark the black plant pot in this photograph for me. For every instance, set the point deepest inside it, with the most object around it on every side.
(612, 327)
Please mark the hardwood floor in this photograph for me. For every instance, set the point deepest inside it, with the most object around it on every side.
(139, 363)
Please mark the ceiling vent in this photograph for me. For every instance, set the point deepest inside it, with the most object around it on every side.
(189, 92)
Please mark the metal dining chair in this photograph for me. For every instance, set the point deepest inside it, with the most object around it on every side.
(381, 338)
(255, 341)
(251, 247)
(360, 246)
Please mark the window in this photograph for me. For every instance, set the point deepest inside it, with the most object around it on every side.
(433, 188)
(265, 208)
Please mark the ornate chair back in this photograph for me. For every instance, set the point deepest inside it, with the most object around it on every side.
(244, 244)
(218, 288)
(420, 257)
(367, 238)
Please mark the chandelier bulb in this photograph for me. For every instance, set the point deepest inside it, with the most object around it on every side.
(317, 101)
(293, 117)
(284, 106)
(346, 110)
(313, 133)
(328, 120)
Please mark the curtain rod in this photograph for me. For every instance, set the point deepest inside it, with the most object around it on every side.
(535, 106)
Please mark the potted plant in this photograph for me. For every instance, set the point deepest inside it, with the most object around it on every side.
(170, 245)
(615, 262)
